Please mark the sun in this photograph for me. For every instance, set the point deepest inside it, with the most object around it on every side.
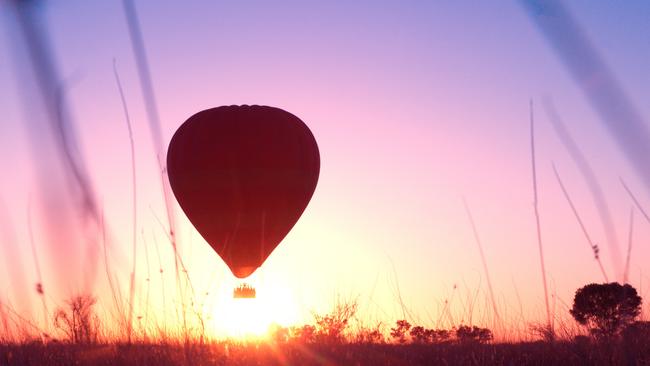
(252, 317)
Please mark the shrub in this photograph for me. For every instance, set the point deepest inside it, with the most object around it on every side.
(543, 331)
(438, 335)
(637, 333)
(278, 333)
(581, 340)
(330, 328)
(78, 322)
(373, 335)
(304, 334)
(419, 335)
(473, 334)
(606, 309)
(400, 330)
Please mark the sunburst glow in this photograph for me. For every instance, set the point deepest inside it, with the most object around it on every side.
(252, 318)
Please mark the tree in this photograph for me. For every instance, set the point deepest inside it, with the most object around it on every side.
(606, 309)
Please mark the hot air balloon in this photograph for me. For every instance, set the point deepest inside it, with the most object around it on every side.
(243, 175)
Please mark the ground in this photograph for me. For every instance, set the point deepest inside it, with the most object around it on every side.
(581, 352)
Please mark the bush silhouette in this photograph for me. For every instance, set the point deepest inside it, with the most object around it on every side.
(438, 335)
(330, 328)
(474, 334)
(78, 321)
(420, 334)
(639, 330)
(400, 330)
(370, 335)
(279, 334)
(304, 334)
(606, 309)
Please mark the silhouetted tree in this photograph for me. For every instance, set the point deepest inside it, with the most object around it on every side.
(473, 334)
(605, 309)
(400, 330)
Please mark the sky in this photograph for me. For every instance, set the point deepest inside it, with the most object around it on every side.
(415, 106)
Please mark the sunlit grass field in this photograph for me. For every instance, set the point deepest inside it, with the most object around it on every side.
(335, 338)
(294, 352)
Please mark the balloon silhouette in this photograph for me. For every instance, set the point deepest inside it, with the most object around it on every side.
(243, 175)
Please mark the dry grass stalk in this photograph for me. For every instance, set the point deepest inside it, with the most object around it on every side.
(39, 278)
(629, 247)
(483, 261)
(596, 190)
(537, 223)
(137, 43)
(593, 246)
(133, 199)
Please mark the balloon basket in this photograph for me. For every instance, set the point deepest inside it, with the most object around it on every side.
(244, 291)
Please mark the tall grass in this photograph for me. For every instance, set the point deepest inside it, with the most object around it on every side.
(626, 272)
(162, 283)
(549, 321)
(146, 84)
(637, 204)
(446, 309)
(148, 94)
(585, 169)
(483, 261)
(406, 314)
(40, 287)
(148, 281)
(59, 130)
(592, 245)
(115, 291)
(13, 263)
(600, 86)
(635, 200)
(134, 206)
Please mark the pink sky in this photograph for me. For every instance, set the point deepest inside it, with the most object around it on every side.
(413, 107)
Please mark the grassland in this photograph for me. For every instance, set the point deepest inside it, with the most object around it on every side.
(579, 352)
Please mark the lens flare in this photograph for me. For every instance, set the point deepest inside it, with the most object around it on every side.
(252, 317)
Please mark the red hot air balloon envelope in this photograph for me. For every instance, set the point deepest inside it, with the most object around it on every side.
(243, 175)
